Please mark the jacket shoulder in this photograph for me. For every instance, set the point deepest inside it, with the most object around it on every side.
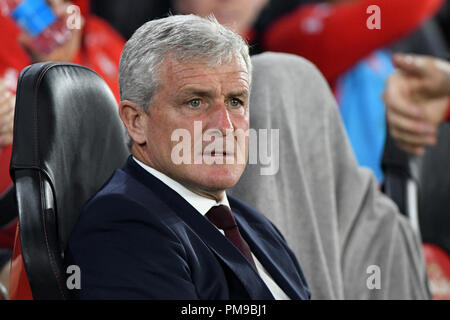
(124, 198)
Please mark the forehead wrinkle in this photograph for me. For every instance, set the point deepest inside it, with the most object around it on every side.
(198, 90)
(173, 65)
(210, 89)
(240, 74)
(244, 93)
(181, 77)
(213, 84)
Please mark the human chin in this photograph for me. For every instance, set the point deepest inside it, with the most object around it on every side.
(221, 176)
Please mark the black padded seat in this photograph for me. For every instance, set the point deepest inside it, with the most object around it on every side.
(68, 140)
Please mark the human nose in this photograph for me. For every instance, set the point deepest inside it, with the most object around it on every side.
(220, 120)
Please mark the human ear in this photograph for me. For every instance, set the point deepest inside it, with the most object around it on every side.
(133, 117)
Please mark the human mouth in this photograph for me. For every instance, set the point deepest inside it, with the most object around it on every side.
(219, 154)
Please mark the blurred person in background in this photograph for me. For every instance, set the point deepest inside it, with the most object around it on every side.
(95, 45)
(322, 31)
(417, 98)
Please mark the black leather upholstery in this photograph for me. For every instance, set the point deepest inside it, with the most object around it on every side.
(68, 139)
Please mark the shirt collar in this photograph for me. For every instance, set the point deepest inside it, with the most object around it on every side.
(200, 203)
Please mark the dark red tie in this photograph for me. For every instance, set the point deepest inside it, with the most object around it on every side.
(222, 217)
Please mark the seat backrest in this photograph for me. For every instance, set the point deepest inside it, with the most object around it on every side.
(68, 140)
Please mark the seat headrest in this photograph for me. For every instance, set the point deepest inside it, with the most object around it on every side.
(67, 126)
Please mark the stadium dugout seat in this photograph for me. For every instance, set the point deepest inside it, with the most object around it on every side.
(68, 139)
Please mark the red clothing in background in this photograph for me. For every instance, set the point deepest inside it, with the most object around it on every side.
(336, 36)
(447, 116)
(100, 50)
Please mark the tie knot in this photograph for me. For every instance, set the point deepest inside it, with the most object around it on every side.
(222, 217)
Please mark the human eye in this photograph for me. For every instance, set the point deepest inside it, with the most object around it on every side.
(235, 102)
(195, 103)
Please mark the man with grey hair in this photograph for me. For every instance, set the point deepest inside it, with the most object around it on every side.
(163, 228)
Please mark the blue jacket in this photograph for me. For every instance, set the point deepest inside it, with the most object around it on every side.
(138, 239)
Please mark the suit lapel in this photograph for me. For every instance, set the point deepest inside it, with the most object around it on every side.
(272, 256)
(227, 252)
(221, 247)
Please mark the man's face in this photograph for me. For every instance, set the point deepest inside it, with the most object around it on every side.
(236, 14)
(217, 99)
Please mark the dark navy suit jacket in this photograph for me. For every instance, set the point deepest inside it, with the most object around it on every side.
(138, 239)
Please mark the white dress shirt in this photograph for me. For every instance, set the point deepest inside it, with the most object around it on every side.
(202, 205)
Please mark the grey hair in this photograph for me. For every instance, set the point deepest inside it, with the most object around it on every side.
(184, 37)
